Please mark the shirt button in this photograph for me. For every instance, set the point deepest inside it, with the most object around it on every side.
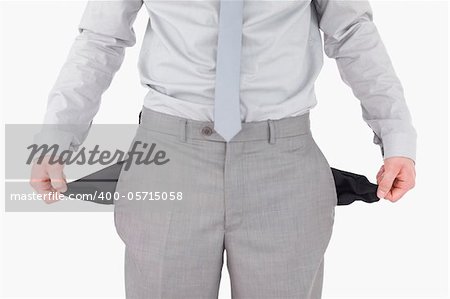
(207, 131)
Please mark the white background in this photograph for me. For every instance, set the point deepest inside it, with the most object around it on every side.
(380, 250)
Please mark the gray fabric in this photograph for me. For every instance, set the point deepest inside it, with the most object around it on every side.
(282, 54)
(227, 113)
(267, 198)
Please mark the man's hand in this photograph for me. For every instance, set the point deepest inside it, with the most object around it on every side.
(48, 179)
(395, 178)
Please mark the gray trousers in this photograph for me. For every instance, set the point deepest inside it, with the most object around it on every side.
(267, 199)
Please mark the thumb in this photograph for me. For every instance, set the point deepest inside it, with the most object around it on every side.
(386, 182)
(57, 178)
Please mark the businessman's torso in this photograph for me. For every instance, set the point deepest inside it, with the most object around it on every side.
(281, 57)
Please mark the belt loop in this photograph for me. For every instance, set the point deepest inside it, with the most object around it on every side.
(183, 130)
(271, 131)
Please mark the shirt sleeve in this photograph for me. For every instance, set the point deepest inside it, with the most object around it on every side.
(105, 30)
(352, 39)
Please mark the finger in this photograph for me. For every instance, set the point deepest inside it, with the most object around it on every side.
(402, 184)
(396, 193)
(49, 194)
(40, 181)
(380, 174)
(381, 169)
(44, 188)
(386, 182)
(57, 179)
(51, 197)
(40, 185)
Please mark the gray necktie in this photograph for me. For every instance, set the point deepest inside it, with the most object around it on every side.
(227, 116)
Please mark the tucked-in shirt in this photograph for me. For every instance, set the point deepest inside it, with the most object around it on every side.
(282, 55)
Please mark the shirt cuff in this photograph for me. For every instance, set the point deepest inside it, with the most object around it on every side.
(398, 145)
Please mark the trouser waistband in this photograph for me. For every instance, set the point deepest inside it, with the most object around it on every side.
(187, 129)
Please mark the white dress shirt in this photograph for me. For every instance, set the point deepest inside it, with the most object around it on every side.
(281, 58)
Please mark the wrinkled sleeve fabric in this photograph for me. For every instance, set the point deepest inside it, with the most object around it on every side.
(352, 39)
(105, 30)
